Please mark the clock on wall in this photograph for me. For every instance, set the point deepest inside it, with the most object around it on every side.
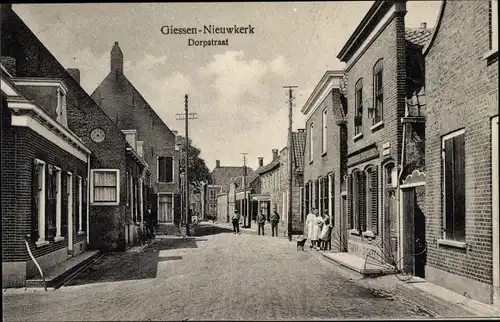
(97, 135)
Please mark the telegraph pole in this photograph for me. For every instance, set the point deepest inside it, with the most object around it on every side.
(290, 155)
(187, 116)
(245, 205)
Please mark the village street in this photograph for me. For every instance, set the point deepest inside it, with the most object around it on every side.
(215, 275)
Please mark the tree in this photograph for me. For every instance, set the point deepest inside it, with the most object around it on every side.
(198, 170)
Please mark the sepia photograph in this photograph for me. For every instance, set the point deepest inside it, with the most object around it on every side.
(255, 161)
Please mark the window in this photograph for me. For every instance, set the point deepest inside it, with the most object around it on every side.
(372, 199)
(324, 132)
(38, 233)
(166, 169)
(331, 205)
(306, 200)
(166, 207)
(494, 25)
(79, 203)
(212, 194)
(104, 187)
(311, 142)
(67, 203)
(358, 200)
(212, 208)
(316, 194)
(358, 113)
(61, 107)
(324, 194)
(302, 203)
(454, 186)
(378, 92)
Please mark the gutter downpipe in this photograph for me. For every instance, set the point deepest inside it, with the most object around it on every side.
(88, 200)
(399, 194)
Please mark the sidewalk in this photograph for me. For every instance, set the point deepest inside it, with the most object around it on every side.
(416, 288)
(253, 230)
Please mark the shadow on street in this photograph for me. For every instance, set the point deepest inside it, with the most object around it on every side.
(207, 229)
(114, 267)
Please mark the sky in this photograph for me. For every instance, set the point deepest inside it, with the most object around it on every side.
(236, 90)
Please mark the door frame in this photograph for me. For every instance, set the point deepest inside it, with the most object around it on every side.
(495, 210)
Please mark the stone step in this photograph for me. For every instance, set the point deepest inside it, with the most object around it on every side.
(359, 264)
(57, 275)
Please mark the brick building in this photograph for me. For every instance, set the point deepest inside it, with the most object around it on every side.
(461, 202)
(156, 143)
(270, 186)
(378, 57)
(68, 202)
(325, 153)
(298, 146)
(219, 185)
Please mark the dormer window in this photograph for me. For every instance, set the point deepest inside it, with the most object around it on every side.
(61, 107)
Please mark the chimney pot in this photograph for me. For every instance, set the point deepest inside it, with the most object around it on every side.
(75, 73)
(275, 154)
(261, 162)
(217, 163)
(423, 25)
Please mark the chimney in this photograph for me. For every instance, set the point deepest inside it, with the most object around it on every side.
(116, 60)
(261, 162)
(275, 154)
(9, 63)
(217, 163)
(423, 25)
(75, 73)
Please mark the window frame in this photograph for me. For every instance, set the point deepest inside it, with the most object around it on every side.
(41, 204)
(494, 25)
(324, 131)
(79, 181)
(358, 107)
(92, 188)
(158, 168)
(444, 218)
(378, 92)
(311, 142)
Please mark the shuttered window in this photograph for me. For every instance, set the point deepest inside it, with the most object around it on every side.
(324, 194)
(51, 203)
(37, 195)
(350, 204)
(306, 199)
(358, 200)
(332, 197)
(165, 169)
(358, 113)
(316, 194)
(454, 186)
(64, 204)
(372, 199)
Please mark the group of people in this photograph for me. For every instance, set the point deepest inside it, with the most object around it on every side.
(318, 229)
(261, 220)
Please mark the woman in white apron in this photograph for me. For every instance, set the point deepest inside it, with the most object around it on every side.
(318, 224)
(325, 231)
(309, 225)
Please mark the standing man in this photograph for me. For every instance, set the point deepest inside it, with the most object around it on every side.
(149, 223)
(275, 219)
(236, 222)
(261, 220)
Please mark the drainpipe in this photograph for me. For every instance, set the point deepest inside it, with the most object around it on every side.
(399, 195)
(88, 200)
(36, 263)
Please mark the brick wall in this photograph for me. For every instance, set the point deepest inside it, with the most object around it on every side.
(389, 44)
(462, 93)
(20, 146)
(34, 60)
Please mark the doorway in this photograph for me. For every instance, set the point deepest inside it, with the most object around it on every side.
(344, 223)
(413, 239)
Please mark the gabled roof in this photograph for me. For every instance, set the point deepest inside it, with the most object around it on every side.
(224, 175)
(418, 36)
(270, 166)
(299, 145)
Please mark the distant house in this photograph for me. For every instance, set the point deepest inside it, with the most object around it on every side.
(461, 148)
(297, 215)
(221, 178)
(71, 157)
(269, 197)
(154, 140)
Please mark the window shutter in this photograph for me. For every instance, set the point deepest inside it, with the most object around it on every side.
(374, 201)
(361, 196)
(36, 187)
(350, 217)
(162, 173)
(459, 187)
(169, 164)
(448, 187)
(64, 204)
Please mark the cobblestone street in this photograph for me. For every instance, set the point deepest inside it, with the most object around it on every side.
(215, 275)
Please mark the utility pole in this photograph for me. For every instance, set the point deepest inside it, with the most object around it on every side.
(187, 116)
(245, 204)
(290, 155)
